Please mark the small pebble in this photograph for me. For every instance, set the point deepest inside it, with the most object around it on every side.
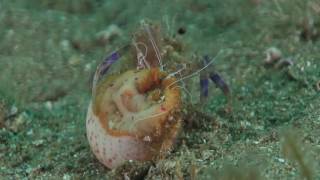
(66, 177)
(280, 160)
(87, 67)
(74, 60)
(18, 122)
(48, 105)
(13, 110)
(65, 45)
(273, 55)
(30, 132)
(147, 139)
(38, 142)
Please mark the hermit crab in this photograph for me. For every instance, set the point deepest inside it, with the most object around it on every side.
(134, 113)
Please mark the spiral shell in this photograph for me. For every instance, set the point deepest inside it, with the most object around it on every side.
(133, 116)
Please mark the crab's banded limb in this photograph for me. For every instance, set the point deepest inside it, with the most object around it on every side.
(204, 87)
(105, 65)
(215, 78)
(103, 68)
(218, 81)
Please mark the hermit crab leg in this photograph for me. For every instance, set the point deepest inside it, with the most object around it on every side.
(204, 80)
(215, 78)
(204, 87)
(105, 65)
(218, 81)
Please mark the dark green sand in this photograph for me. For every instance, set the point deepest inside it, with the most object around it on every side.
(50, 49)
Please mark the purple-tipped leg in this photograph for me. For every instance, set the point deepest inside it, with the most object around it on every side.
(105, 65)
(107, 62)
(204, 87)
(216, 78)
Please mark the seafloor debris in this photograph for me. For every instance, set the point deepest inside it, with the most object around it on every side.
(132, 170)
(273, 55)
(275, 59)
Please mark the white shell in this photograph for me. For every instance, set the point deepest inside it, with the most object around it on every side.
(111, 151)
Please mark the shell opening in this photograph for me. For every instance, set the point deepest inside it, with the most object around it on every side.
(136, 103)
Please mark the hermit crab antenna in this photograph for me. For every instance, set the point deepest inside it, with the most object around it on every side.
(195, 73)
(184, 66)
(154, 44)
(141, 57)
(184, 87)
